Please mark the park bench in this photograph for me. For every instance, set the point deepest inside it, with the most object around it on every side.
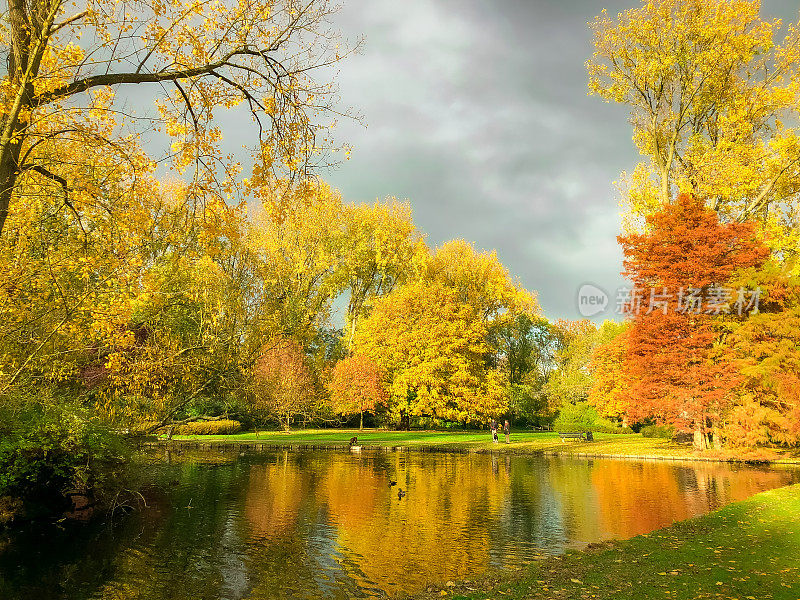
(576, 435)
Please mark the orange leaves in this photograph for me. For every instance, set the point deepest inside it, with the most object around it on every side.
(687, 246)
(357, 385)
(768, 355)
(283, 386)
(609, 377)
(678, 370)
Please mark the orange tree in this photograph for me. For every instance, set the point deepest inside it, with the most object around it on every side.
(679, 371)
(609, 383)
(767, 347)
(357, 385)
(282, 383)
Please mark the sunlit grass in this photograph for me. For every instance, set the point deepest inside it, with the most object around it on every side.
(521, 441)
(604, 444)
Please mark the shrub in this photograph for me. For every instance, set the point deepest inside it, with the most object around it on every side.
(49, 450)
(582, 416)
(221, 427)
(658, 431)
(612, 429)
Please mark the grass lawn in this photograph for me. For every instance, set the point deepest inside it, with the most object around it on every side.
(605, 444)
(746, 550)
(521, 441)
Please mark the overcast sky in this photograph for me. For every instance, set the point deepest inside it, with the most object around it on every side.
(477, 112)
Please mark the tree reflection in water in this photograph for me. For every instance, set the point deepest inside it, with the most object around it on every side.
(329, 525)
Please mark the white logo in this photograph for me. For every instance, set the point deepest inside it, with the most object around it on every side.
(591, 300)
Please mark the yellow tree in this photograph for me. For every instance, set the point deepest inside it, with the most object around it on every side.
(433, 348)
(379, 245)
(570, 380)
(65, 275)
(298, 248)
(712, 99)
(68, 60)
(479, 280)
(184, 328)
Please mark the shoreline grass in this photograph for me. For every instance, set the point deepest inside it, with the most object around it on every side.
(522, 442)
(745, 550)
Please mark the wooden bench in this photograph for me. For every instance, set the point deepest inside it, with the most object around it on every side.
(586, 436)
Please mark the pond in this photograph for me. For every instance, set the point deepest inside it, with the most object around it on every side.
(225, 525)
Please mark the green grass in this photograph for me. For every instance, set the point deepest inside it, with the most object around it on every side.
(746, 550)
(521, 441)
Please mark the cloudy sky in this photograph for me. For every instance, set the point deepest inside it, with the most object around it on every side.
(477, 112)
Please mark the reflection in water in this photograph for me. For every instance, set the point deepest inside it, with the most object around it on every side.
(329, 525)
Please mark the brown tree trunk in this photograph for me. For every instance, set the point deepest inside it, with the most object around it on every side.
(361, 424)
(29, 32)
(9, 171)
(10, 143)
(700, 440)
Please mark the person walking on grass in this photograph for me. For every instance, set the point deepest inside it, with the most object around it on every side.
(507, 431)
(493, 428)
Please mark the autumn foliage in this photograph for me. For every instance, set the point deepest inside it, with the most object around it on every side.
(283, 386)
(678, 370)
(434, 350)
(357, 385)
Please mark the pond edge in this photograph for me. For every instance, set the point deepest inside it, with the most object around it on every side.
(180, 445)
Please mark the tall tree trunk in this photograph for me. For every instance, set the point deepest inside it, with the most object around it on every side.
(29, 33)
(9, 171)
(700, 440)
(361, 424)
(18, 72)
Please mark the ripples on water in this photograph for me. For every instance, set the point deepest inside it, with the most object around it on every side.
(328, 525)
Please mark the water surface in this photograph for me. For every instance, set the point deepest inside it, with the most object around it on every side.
(220, 525)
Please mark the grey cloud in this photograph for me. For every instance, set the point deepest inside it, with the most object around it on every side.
(478, 114)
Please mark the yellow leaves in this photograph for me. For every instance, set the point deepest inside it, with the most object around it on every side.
(433, 349)
(708, 89)
(114, 362)
(481, 281)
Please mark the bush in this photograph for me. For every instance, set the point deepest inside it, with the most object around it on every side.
(612, 429)
(49, 450)
(658, 431)
(582, 416)
(221, 427)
